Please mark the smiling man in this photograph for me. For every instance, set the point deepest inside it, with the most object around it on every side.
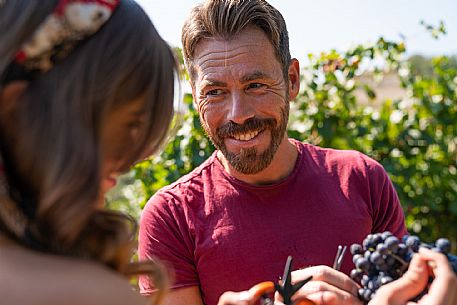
(232, 222)
(242, 97)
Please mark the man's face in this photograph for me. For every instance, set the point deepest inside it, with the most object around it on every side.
(242, 98)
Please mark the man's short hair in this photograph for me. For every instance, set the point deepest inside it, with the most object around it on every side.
(227, 18)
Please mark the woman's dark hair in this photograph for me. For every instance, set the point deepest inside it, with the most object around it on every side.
(54, 162)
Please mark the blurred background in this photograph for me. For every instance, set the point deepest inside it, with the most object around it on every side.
(316, 26)
(378, 77)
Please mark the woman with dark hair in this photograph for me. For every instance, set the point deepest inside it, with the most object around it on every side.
(86, 89)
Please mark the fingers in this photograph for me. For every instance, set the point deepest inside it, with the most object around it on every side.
(301, 300)
(437, 261)
(443, 289)
(405, 288)
(327, 286)
(236, 298)
(324, 293)
(327, 275)
(247, 297)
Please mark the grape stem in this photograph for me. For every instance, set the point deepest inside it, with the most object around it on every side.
(402, 261)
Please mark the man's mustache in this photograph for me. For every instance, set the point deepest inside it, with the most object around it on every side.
(232, 129)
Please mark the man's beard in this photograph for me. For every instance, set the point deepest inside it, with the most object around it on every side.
(248, 160)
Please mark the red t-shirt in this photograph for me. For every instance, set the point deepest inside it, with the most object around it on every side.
(222, 234)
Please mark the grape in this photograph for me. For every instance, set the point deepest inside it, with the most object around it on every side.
(386, 279)
(368, 242)
(356, 249)
(362, 264)
(376, 258)
(402, 250)
(382, 267)
(444, 245)
(371, 284)
(356, 275)
(368, 294)
(356, 257)
(386, 234)
(381, 248)
(377, 238)
(390, 261)
(392, 243)
(383, 258)
(413, 242)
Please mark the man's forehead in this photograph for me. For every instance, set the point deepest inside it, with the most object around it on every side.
(244, 78)
(222, 49)
(250, 37)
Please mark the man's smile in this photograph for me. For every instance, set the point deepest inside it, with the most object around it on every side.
(246, 136)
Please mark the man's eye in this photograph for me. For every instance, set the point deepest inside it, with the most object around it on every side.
(214, 92)
(255, 86)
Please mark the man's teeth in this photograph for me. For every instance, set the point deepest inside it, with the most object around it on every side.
(246, 136)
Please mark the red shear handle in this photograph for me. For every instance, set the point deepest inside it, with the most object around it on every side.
(264, 288)
(260, 289)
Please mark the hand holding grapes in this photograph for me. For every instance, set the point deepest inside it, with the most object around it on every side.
(442, 291)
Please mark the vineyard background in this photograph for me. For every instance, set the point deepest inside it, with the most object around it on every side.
(411, 131)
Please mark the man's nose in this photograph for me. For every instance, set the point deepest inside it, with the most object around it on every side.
(241, 108)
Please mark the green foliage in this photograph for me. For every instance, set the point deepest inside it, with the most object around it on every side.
(185, 151)
(423, 66)
(413, 137)
(435, 31)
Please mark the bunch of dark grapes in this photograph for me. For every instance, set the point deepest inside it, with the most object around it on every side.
(383, 258)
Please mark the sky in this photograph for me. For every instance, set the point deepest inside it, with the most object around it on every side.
(322, 25)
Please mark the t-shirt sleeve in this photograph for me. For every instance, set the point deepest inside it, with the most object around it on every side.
(165, 235)
(387, 212)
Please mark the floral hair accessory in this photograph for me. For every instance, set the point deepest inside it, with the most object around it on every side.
(71, 22)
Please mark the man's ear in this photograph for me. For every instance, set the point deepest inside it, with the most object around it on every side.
(9, 95)
(294, 78)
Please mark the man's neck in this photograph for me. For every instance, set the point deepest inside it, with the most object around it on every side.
(280, 167)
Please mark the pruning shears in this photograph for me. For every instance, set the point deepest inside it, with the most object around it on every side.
(284, 287)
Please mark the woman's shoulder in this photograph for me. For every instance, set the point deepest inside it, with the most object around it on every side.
(35, 278)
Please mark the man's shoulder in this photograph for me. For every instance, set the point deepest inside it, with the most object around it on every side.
(188, 185)
(339, 158)
(194, 177)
